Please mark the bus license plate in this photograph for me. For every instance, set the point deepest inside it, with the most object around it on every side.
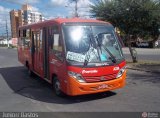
(103, 86)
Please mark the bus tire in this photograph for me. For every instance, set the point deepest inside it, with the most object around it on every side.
(57, 88)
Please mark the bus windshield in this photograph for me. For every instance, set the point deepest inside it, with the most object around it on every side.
(91, 43)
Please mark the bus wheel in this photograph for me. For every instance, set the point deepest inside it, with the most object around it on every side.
(57, 87)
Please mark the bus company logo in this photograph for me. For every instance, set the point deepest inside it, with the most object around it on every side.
(144, 115)
(89, 71)
(115, 68)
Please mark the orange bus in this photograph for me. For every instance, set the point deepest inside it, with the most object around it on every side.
(77, 56)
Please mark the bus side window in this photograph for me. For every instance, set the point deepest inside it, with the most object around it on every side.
(19, 33)
(26, 37)
(20, 39)
(40, 40)
(56, 42)
(35, 40)
(24, 33)
(57, 45)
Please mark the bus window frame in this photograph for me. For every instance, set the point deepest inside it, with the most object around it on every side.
(59, 54)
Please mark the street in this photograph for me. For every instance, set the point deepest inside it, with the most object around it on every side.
(143, 54)
(19, 92)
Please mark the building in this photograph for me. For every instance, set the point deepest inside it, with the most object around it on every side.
(26, 7)
(23, 17)
(14, 23)
(20, 17)
(32, 17)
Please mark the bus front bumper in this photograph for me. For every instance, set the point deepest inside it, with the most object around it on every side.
(76, 88)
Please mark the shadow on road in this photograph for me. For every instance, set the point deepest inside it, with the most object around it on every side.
(35, 88)
(153, 68)
(146, 73)
(145, 76)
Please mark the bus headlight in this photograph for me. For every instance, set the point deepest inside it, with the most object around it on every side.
(121, 71)
(76, 76)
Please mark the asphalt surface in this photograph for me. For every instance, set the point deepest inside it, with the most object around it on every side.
(19, 92)
(143, 54)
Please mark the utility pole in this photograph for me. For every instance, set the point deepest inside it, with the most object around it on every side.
(76, 8)
(7, 33)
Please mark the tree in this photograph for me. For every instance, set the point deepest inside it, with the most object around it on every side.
(136, 18)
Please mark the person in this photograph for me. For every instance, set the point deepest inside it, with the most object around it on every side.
(107, 40)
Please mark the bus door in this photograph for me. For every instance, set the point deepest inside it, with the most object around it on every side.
(20, 46)
(33, 49)
(56, 54)
(45, 53)
(40, 53)
(36, 56)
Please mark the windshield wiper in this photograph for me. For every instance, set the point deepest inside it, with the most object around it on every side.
(113, 59)
(87, 57)
(111, 55)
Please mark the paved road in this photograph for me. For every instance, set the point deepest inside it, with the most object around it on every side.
(8, 58)
(19, 92)
(144, 54)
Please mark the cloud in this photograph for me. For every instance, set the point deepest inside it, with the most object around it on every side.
(58, 3)
(4, 10)
(63, 3)
(67, 7)
(31, 1)
(20, 2)
(83, 7)
(35, 9)
(84, 3)
(4, 15)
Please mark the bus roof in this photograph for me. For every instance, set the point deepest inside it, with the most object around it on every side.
(66, 20)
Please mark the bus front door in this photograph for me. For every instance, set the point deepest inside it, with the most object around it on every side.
(45, 46)
(36, 51)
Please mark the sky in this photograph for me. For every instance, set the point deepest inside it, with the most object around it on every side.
(49, 9)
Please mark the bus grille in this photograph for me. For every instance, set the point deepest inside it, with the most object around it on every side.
(101, 78)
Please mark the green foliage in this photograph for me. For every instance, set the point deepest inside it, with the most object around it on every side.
(133, 17)
(3, 45)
